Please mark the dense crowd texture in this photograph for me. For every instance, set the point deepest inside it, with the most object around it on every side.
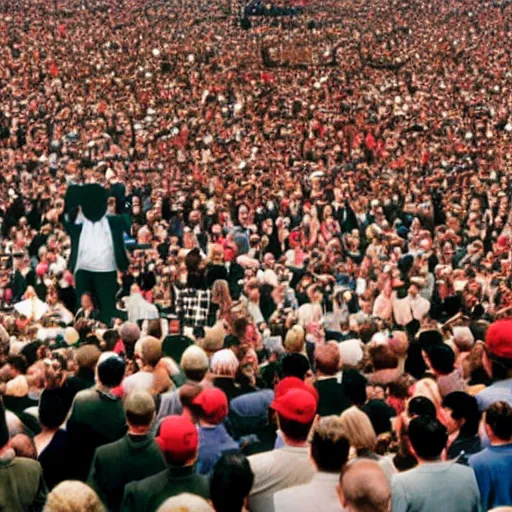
(296, 290)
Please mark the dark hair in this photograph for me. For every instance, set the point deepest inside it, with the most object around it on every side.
(330, 452)
(53, 409)
(442, 358)
(293, 429)
(354, 384)
(154, 328)
(427, 436)
(383, 357)
(18, 362)
(231, 482)
(295, 365)
(465, 407)
(111, 371)
(499, 418)
(110, 337)
(421, 406)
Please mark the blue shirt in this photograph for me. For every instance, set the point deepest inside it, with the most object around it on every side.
(213, 442)
(493, 470)
(499, 391)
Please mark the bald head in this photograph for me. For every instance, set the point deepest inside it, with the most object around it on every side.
(364, 487)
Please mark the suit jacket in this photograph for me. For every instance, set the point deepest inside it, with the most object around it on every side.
(304, 498)
(96, 419)
(332, 398)
(118, 225)
(117, 228)
(22, 487)
(148, 494)
(117, 464)
(276, 470)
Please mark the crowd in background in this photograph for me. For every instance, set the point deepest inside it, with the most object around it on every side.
(317, 218)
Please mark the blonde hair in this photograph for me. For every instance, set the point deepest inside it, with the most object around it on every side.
(294, 339)
(72, 495)
(358, 429)
(185, 502)
(428, 388)
(221, 295)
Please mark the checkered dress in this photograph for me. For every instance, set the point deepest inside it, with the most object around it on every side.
(192, 306)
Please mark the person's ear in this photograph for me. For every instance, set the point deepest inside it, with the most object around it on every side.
(341, 497)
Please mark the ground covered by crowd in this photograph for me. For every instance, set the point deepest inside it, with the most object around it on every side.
(255, 263)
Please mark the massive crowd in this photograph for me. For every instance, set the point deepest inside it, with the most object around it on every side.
(287, 280)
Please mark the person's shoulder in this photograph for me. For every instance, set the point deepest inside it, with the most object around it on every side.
(27, 465)
(153, 483)
(85, 395)
(261, 459)
(480, 458)
(111, 448)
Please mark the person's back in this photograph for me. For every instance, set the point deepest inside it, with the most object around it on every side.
(290, 465)
(97, 416)
(493, 466)
(329, 452)
(433, 485)
(178, 441)
(134, 457)
(436, 486)
(21, 484)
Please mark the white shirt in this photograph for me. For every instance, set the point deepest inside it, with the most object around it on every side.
(95, 247)
(409, 308)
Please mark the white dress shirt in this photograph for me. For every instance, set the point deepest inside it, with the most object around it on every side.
(95, 247)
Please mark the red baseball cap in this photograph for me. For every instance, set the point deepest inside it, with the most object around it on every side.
(178, 437)
(296, 405)
(499, 339)
(214, 404)
(288, 383)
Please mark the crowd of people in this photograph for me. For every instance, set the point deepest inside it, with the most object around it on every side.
(255, 263)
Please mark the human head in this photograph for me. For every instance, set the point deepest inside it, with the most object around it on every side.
(110, 369)
(17, 365)
(295, 365)
(224, 363)
(150, 350)
(52, 410)
(178, 440)
(231, 482)
(86, 301)
(363, 487)
(461, 413)
(194, 363)
(296, 410)
(358, 428)
(383, 357)
(421, 406)
(72, 495)
(497, 358)
(212, 406)
(295, 339)
(23, 445)
(87, 356)
(329, 445)
(129, 333)
(440, 358)
(139, 409)
(427, 437)
(428, 388)
(414, 289)
(221, 294)
(328, 358)
(185, 502)
(498, 422)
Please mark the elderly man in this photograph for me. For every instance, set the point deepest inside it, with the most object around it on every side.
(363, 487)
(132, 458)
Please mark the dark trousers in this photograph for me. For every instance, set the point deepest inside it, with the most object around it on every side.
(103, 287)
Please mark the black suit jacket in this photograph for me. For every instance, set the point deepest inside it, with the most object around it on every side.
(332, 398)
